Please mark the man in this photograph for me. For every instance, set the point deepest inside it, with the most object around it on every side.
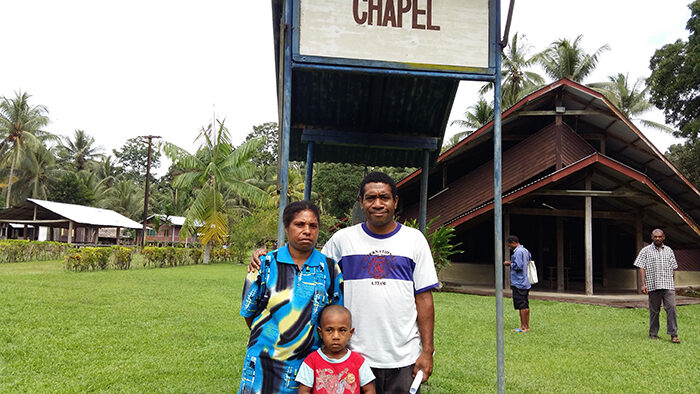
(519, 282)
(656, 263)
(388, 274)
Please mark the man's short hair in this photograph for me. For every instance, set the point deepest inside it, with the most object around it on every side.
(291, 210)
(378, 177)
(513, 238)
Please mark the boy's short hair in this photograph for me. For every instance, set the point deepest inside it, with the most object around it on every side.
(378, 177)
(513, 238)
(334, 308)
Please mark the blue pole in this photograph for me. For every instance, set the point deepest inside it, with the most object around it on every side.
(423, 209)
(309, 170)
(497, 206)
(283, 174)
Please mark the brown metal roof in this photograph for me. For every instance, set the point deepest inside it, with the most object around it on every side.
(522, 162)
(676, 223)
(667, 197)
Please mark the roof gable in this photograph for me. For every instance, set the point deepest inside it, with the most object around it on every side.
(81, 214)
(521, 163)
(594, 119)
(670, 212)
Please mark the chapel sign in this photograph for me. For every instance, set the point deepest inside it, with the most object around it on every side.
(436, 35)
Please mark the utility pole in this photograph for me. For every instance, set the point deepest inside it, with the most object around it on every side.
(148, 184)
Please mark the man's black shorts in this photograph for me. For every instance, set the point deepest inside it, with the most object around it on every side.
(393, 380)
(520, 298)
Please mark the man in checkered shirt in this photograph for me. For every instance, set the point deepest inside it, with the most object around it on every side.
(656, 263)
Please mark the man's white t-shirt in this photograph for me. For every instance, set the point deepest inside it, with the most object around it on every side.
(382, 273)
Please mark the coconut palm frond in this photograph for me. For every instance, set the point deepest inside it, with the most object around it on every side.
(566, 59)
(655, 125)
(630, 99)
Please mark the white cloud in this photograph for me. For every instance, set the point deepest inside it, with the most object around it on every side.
(632, 29)
(128, 68)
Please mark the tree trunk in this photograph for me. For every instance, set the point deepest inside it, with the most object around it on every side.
(207, 252)
(9, 182)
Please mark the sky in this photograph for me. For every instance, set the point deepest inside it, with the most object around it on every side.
(121, 69)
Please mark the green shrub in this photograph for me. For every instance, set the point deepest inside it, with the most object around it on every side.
(170, 256)
(247, 233)
(89, 258)
(73, 260)
(102, 257)
(122, 257)
(196, 255)
(440, 242)
(152, 254)
(18, 250)
(223, 255)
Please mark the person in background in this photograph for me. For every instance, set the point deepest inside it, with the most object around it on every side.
(281, 303)
(656, 263)
(519, 282)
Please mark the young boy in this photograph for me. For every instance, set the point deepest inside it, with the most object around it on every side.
(335, 369)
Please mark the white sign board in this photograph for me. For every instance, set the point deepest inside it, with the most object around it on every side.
(448, 35)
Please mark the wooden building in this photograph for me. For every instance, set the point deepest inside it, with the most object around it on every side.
(168, 231)
(67, 222)
(582, 187)
(19, 231)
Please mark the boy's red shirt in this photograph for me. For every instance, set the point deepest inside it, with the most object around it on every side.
(340, 378)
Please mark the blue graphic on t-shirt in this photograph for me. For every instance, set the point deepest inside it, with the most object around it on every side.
(377, 265)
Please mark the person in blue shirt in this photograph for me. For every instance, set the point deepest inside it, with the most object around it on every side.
(281, 302)
(519, 282)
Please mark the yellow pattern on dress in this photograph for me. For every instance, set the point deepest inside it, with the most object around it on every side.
(285, 352)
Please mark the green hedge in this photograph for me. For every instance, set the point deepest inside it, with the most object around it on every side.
(18, 250)
(120, 257)
(171, 256)
(84, 259)
(221, 255)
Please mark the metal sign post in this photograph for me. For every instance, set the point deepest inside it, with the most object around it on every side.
(285, 127)
(497, 198)
(498, 223)
(326, 44)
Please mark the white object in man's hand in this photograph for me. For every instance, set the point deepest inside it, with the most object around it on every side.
(416, 382)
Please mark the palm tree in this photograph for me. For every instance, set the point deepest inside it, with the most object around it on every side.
(216, 167)
(38, 170)
(79, 151)
(266, 178)
(123, 197)
(172, 202)
(20, 130)
(475, 117)
(295, 186)
(105, 171)
(630, 100)
(517, 81)
(454, 140)
(566, 59)
(88, 178)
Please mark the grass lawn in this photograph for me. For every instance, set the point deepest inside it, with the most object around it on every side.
(178, 330)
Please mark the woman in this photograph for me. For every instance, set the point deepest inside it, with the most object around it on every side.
(281, 303)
